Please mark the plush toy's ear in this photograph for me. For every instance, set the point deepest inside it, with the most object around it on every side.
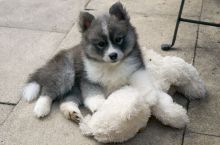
(118, 11)
(85, 20)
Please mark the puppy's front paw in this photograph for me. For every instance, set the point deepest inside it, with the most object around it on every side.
(71, 111)
(42, 107)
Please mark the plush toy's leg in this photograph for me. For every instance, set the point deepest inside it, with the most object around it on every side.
(184, 76)
(84, 127)
(195, 87)
(168, 112)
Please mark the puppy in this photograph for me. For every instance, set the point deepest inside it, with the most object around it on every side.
(87, 73)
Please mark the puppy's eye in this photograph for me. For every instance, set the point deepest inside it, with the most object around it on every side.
(119, 40)
(101, 44)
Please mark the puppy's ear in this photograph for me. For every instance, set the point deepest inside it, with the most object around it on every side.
(118, 11)
(85, 20)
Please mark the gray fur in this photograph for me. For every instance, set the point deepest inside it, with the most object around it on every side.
(60, 74)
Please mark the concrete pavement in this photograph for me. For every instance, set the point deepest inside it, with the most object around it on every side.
(31, 32)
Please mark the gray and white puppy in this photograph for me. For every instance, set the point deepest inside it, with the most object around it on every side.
(87, 73)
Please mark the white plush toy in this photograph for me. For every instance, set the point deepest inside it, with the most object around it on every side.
(127, 110)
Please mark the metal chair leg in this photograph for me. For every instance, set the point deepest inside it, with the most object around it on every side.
(169, 46)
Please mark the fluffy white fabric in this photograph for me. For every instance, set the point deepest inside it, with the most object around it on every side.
(172, 70)
(122, 115)
(128, 109)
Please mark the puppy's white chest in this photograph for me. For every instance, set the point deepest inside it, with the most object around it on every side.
(110, 77)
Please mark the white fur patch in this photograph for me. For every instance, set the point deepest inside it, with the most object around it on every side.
(42, 106)
(110, 50)
(31, 91)
(112, 77)
(105, 28)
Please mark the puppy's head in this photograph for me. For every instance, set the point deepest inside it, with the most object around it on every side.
(109, 38)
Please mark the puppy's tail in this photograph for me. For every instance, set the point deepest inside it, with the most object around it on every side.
(31, 91)
(84, 126)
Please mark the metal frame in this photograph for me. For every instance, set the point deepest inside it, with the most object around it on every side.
(179, 19)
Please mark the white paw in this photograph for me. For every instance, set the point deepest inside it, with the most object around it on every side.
(71, 111)
(31, 91)
(42, 106)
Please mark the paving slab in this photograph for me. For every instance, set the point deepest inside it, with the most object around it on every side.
(205, 114)
(72, 38)
(156, 30)
(210, 13)
(23, 128)
(200, 139)
(211, 9)
(208, 33)
(45, 15)
(157, 134)
(151, 7)
(5, 111)
(22, 51)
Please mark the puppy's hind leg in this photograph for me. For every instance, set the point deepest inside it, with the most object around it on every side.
(168, 112)
(70, 106)
(56, 78)
(43, 104)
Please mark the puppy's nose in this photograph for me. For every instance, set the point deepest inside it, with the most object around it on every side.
(113, 56)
